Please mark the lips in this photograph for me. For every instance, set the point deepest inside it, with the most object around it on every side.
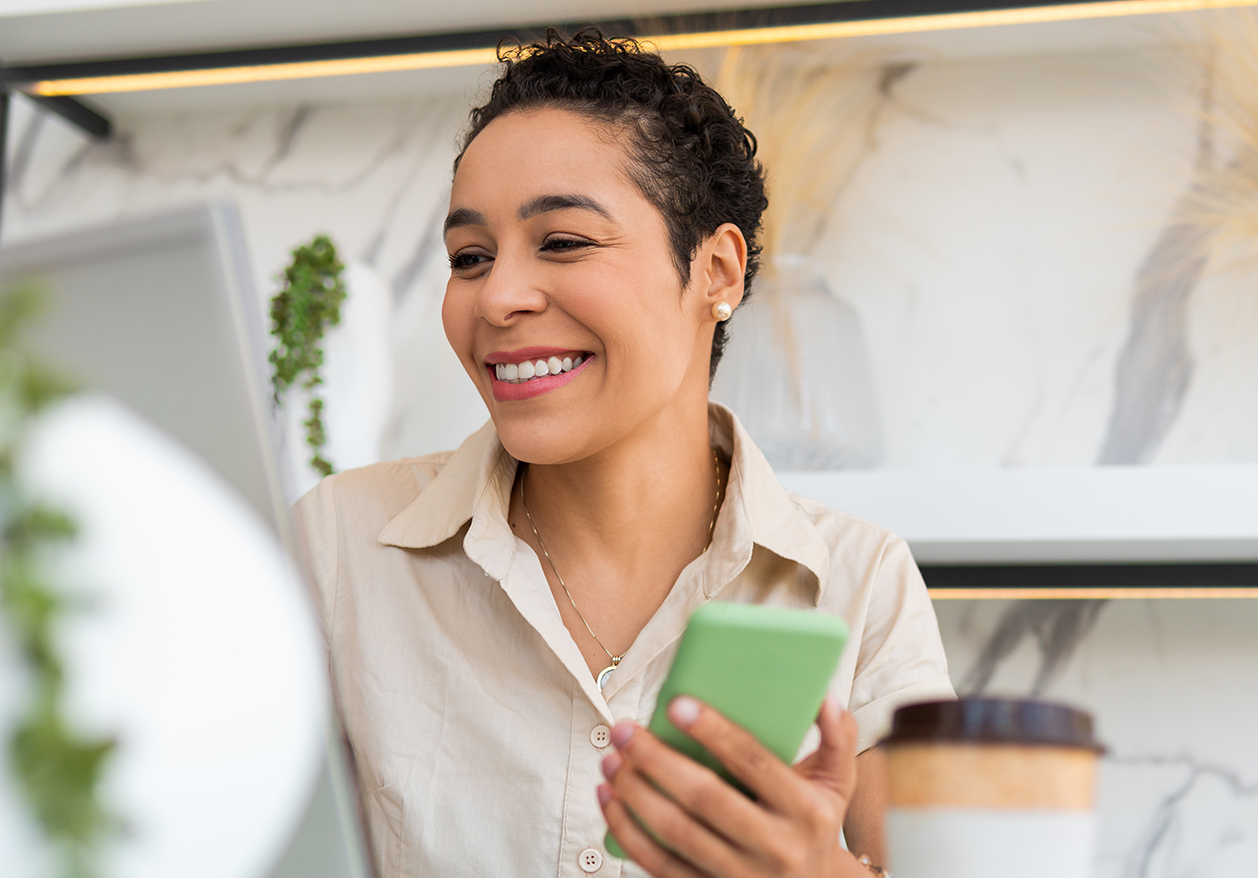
(531, 372)
(531, 353)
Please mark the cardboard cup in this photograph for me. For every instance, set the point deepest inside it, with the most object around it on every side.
(988, 788)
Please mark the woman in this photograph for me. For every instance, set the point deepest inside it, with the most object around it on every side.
(502, 616)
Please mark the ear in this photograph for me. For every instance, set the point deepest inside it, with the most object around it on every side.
(716, 272)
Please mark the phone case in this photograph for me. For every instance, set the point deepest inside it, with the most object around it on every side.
(765, 668)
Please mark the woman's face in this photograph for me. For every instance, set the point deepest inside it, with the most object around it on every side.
(558, 259)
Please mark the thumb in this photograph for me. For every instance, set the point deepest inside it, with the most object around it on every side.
(833, 763)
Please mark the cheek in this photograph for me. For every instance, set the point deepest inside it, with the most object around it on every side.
(458, 319)
(648, 338)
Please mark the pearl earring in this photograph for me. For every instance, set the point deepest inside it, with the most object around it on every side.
(722, 311)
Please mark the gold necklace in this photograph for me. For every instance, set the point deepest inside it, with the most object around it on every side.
(606, 673)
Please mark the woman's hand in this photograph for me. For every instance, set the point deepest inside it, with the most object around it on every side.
(709, 827)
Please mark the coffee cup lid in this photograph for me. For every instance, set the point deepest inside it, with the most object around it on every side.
(993, 721)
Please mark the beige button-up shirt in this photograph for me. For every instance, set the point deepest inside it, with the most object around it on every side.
(476, 726)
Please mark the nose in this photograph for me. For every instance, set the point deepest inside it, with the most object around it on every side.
(510, 291)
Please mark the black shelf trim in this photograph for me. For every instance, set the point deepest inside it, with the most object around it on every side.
(75, 111)
(1091, 576)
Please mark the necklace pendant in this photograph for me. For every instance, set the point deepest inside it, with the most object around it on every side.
(605, 674)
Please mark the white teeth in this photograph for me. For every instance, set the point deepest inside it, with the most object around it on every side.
(516, 373)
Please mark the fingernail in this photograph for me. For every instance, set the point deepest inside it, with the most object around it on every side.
(604, 793)
(622, 734)
(683, 711)
(611, 764)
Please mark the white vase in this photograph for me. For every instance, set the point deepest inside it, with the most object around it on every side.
(796, 372)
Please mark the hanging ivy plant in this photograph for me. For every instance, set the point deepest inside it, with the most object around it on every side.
(309, 301)
(57, 769)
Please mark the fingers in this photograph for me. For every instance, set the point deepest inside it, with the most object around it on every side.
(838, 731)
(668, 791)
(635, 842)
(833, 763)
(701, 825)
(775, 784)
(673, 828)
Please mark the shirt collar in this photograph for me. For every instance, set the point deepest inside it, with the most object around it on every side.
(475, 485)
(758, 510)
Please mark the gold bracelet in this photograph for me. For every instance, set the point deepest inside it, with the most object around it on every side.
(877, 870)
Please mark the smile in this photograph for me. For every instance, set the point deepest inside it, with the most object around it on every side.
(530, 372)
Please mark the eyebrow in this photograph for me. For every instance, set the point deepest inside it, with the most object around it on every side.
(462, 217)
(465, 216)
(548, 203)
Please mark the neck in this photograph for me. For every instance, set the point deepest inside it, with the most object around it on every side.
(648, 496)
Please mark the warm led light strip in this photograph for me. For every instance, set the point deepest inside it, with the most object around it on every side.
(1078, 594)
(945, 21)
(264, 72)
(669, 42)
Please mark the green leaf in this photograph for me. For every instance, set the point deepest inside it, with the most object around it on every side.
(57, 770)
(308, 302)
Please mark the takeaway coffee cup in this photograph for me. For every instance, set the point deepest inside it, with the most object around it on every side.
(991, 788)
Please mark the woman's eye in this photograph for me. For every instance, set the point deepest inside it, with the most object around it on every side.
(564, 245)
(464, 261)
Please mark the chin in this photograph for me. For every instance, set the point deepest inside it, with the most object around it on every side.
(557, 434)
(541, 447)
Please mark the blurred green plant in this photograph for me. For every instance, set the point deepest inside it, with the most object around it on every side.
(57, 768)
(309, 301)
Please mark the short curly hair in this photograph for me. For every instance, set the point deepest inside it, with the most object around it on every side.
(695, 161)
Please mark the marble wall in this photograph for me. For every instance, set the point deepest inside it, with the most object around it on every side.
(1000, 245)
(1012, 249)
(1170, 685)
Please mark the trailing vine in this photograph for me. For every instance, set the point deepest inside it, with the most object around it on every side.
(309, 301)
(57, 769)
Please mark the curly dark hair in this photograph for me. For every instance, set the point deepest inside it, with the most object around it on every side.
(694, 159)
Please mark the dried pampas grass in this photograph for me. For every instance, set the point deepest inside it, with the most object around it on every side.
(1225, 203)
(814, 115)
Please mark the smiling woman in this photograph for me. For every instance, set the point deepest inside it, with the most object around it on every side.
(501, 617)
(559, 253)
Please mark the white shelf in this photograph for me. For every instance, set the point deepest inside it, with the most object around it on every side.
(1082, 515)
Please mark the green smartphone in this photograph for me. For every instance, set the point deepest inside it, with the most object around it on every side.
(765, 668)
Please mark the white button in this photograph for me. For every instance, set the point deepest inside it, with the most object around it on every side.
(601, 736)
(590, 860)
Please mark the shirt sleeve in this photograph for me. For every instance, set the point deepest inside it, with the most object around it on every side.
(901, 659)
(314, 523)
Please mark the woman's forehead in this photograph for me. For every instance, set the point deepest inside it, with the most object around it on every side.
(542, 148)
(546, 141)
